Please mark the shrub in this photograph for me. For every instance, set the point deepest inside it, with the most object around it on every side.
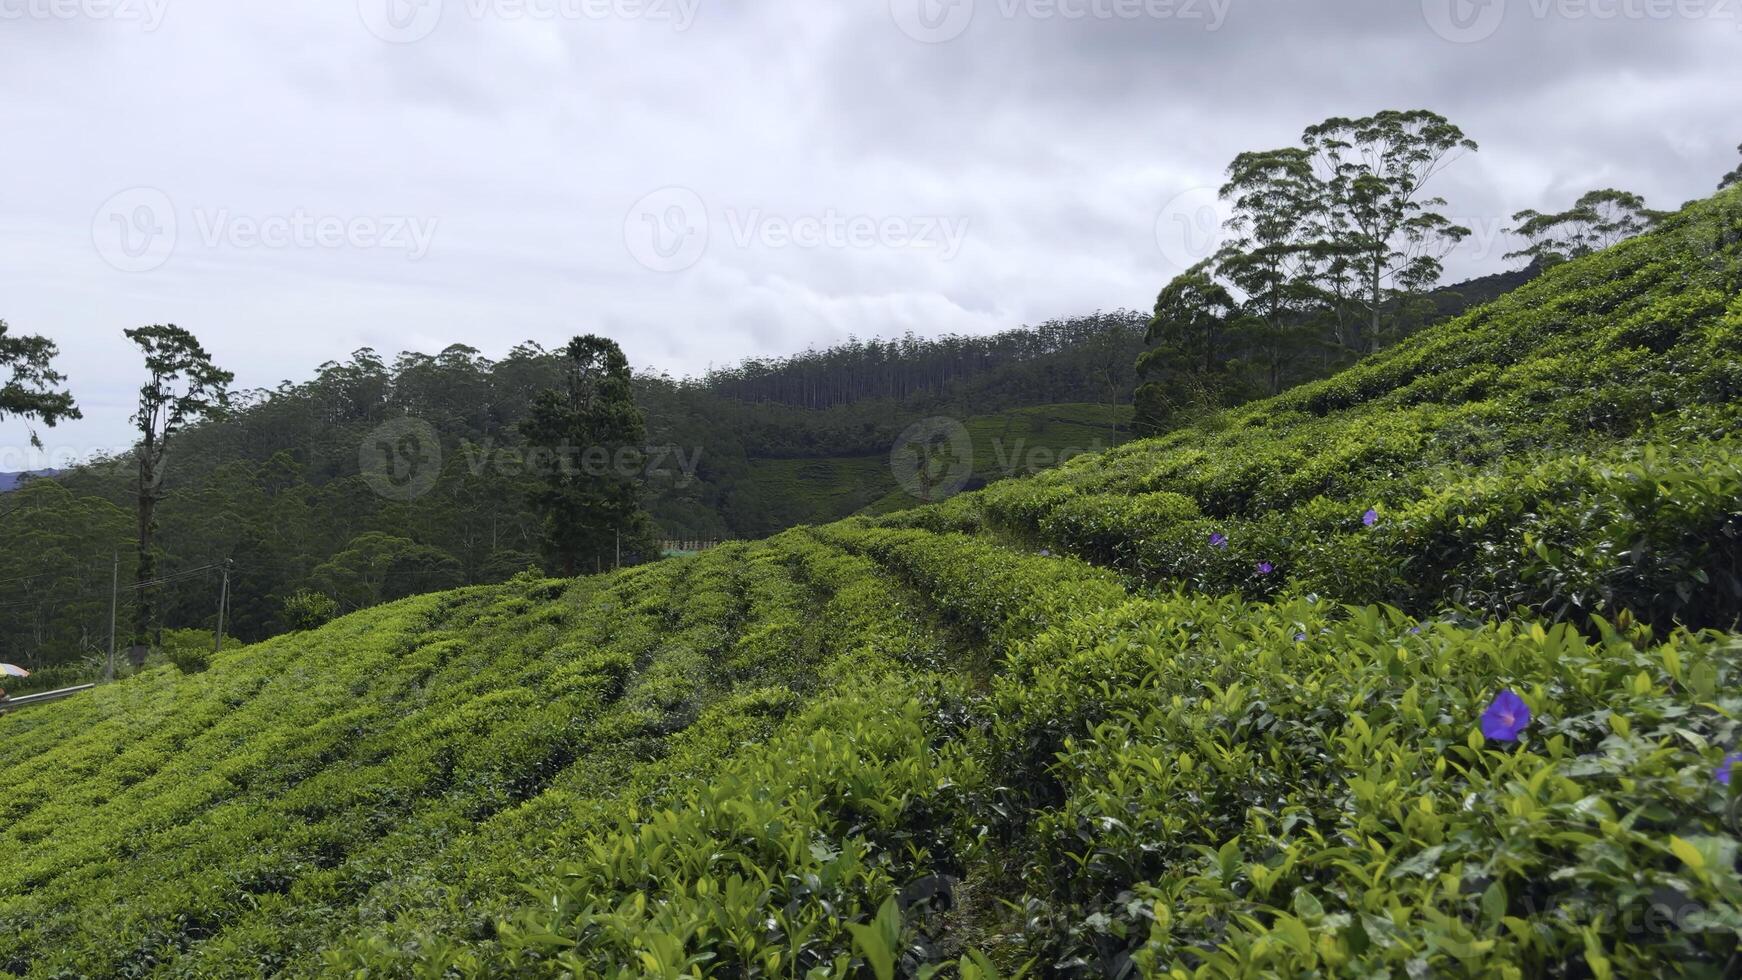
(306, 610)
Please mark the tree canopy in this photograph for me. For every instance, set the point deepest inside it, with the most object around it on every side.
(29, 382)
(1331, 247)
(1596, 221)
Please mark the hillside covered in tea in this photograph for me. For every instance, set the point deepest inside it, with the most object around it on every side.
(1423, 669)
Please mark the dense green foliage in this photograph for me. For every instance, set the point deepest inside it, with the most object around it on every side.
(589, 440)
(377, 481)
(28, 381)
(1051, 727)
(1596, 221)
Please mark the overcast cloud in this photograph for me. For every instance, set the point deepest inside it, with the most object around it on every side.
(707, 180)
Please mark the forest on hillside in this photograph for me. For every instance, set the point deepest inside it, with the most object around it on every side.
(274, 487)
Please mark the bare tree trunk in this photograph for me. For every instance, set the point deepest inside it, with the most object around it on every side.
(1377, 298)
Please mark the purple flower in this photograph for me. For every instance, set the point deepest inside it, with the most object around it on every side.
(1724, 768)
(1265, 568)
(1370, 518)
(1218, 540)
(1415, 631)
(1506, 717)
(1300, 638)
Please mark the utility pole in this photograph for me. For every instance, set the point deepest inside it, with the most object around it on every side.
(619, 549)
(114, 598)
(223, 604)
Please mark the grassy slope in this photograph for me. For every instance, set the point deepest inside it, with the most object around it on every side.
(992, 733)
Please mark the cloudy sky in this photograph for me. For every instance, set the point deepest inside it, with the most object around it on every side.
(706, 180)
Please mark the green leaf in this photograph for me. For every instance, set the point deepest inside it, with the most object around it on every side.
(873, 941)
(1494, 905)
(1689, 854)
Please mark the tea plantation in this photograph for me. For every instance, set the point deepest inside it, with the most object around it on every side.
(1229, 702)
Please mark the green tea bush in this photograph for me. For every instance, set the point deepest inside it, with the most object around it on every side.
(306, 610)
(1243, 789)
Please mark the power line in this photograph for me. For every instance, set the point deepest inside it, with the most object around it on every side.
(40, 575)
(65, 597)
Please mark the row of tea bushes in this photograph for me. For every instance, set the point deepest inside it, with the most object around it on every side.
(1654, 529)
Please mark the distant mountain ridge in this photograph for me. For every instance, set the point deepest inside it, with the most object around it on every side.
(11, 481)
